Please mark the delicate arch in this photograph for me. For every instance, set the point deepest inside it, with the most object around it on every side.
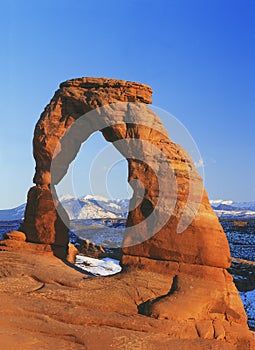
(120, 113)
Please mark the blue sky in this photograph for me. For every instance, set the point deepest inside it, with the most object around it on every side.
(198, 56)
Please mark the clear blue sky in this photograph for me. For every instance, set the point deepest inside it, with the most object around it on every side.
(199, 57)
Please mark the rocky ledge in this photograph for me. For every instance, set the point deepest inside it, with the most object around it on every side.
(48, 303)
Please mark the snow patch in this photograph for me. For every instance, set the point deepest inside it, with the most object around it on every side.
(104, 267)
(248, 299)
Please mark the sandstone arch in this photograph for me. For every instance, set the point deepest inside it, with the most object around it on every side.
(202, 242)
(177, 277)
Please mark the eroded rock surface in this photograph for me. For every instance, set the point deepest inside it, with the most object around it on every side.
(46, 304)
(174, 291)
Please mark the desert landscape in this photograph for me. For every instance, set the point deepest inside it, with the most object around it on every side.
(173, 291)
(127, 211)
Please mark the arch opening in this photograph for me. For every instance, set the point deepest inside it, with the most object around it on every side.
(94, 194)
(98, 169)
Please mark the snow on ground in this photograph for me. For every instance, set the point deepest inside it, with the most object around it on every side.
(248, 299)
(98, 267)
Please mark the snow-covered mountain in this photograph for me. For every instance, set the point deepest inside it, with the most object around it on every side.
(227, 209)
(93, 207)
(13, 214)
(87, 207)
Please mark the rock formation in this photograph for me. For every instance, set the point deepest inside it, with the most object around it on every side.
(175, 288)
(74, 98)
(202, 241)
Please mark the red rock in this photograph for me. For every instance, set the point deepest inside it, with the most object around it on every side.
(202, 241)
(174, 270)
(45, 303)
(15, 235)
(205, 329)
(42, 223)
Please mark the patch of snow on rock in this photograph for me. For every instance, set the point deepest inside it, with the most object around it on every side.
(104, 267)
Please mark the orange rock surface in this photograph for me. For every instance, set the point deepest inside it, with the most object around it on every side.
(174, 291)
(47, 304)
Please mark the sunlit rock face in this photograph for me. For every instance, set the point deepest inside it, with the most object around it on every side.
(74, 98)
(172, 233)
(164, 174)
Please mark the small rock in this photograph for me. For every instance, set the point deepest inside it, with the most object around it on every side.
(219, 331)
(72, 252)
(15, 235)
(205, 329)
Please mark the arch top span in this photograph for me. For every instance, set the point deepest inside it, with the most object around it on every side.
(126, 91)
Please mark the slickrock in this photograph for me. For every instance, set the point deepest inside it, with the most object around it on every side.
(47, 304)
(174, 291)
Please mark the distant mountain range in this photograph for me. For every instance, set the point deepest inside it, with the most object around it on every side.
(227, 209)
(13, 214)
(93, 207)
(87, 207)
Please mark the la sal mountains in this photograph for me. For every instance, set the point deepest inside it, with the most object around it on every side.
(92, 207)
(228, 209)
(87, 207)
